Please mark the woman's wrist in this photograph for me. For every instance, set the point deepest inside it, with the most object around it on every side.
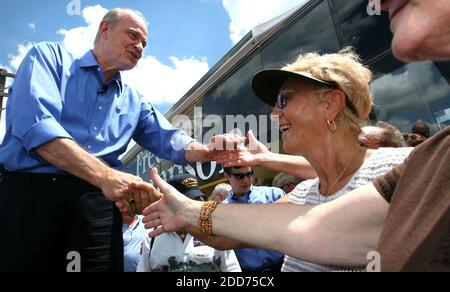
(263, 159)
(193, 213)
(204, 223)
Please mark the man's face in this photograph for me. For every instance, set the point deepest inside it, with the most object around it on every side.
(421, 28)
(240, 180)
(123, 44)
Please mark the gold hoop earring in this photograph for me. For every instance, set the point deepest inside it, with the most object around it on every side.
(332, 126)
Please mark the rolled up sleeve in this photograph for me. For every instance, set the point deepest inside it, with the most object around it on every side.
(37, 103)
(156, 134)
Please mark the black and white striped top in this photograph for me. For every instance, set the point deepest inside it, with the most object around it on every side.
(307, 193)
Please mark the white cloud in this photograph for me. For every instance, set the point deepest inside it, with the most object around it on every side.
(162, 84)
(246, 14)
(16, 60)
(32, 26)
(81, 39)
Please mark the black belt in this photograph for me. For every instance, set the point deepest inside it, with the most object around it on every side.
(42, 178)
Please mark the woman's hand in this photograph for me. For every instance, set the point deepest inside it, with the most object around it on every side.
(245, 156)
(173, 212)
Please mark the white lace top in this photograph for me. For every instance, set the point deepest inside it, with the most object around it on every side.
(307, 193)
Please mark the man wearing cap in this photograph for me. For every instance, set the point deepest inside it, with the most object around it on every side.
(180, 251)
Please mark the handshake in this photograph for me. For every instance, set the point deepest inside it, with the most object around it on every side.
(132, 195)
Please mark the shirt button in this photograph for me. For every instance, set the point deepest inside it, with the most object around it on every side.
(89, 147)
(95, 128)
(100, 107)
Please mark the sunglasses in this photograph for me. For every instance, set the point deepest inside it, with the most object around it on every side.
(284, 94)
(241, 176)
(281, 98)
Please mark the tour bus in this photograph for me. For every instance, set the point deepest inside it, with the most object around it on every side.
(403, 93)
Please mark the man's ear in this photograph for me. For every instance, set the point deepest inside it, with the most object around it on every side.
(103, 28)
(335, 103)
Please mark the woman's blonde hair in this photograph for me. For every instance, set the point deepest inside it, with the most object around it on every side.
(349, 74)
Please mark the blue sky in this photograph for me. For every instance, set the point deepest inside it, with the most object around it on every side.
(186, 37)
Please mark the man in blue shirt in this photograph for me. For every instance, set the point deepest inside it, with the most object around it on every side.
(68, 120)
(253, 259)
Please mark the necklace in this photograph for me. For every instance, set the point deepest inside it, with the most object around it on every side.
(337, 180)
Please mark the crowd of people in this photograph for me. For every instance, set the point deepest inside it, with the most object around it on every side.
(359, 190)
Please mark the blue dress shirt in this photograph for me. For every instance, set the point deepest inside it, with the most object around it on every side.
(58, 96)
(256, 259)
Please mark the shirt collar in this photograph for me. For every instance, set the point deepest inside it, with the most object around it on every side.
(89, 61)
(243, 197)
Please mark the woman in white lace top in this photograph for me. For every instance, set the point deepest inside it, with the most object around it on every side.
(321, 102)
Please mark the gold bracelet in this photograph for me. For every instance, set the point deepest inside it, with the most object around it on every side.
(205, 221)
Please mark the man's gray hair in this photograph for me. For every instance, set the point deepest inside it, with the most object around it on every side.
(113, 17)
(391, 137)
(283, 178)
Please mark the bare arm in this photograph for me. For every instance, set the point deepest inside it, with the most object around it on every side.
(341, 232)
(217, 241)
(197, 152)
(257, 154)
(68, 156)
(221, 144)
(297, 166)
(224, 243)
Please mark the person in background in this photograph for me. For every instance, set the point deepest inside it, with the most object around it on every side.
(134, 234)
(413, 140)
(243, 192)
(220, 193)
(421, 128)
(180, 251)
(381, 135)
(286, 182)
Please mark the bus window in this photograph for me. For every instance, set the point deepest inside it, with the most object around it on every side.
(234, 95)
(370, 35)
(311, 30)
(407, 93)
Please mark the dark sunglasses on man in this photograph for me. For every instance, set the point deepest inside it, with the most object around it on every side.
(241, 176)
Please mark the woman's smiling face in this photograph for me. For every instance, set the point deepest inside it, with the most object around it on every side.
(301, 118)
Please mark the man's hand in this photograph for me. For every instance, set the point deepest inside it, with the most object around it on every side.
(116, 187)
(244, 156)
(220, 144)
(146, 195)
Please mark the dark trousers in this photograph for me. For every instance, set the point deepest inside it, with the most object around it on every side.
(45, 218)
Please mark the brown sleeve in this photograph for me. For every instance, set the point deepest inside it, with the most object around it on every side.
(386, 184)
